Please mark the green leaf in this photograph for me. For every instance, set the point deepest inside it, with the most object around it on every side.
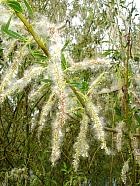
(76, 84)
(39, 55)
(46, 81)
(15, 6)
(84, 86)
(29, 8)
(65, 45)
(8, 23)
(11, 33)
(107, 52)
(64, 63)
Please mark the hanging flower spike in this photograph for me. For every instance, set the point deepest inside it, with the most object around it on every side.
(57, 136)
(81, 146)
(31, 73)
(45, 111)
(11, 72)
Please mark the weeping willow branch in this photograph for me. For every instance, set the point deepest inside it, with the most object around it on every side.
(81, 99)
(33, 33)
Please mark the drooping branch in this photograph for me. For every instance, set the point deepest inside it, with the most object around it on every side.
(83, 103)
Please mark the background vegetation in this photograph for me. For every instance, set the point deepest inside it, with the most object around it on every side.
(69, 93)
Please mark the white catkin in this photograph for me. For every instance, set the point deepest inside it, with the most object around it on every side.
(119, 129)
(44, 28)
(56, 73)
(81, 146)
(32, 73)
(57, 137)
(36, 92)
(98, 126)
(136, 149)
(95, 82)
(89, 63)
(34, 119)
(45, 111)
(124, 171)
(11, 72)
(55, 68)
(59, 89)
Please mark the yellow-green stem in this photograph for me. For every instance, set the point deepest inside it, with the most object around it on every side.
(33, 33)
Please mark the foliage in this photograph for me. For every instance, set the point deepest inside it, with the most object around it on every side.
(69, 93)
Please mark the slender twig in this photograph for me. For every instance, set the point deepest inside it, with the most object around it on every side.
(126, 95)
(33, 33)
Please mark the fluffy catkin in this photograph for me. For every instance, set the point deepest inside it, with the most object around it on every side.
(45, 111)
(97, 123)
(81, 146)
(55, 68)
(57, 136)
(124, 171)
(136, 150)
(11, 72)
(59, 85)
(119, 135)
(32, 73)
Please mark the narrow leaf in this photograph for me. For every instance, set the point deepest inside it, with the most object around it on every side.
(15, 6)
(65, 45)
(64, 63)
(29, 8)
(11, 33)
(8, 23)
(38, 54)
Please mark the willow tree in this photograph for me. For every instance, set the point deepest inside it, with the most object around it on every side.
(69, 90)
